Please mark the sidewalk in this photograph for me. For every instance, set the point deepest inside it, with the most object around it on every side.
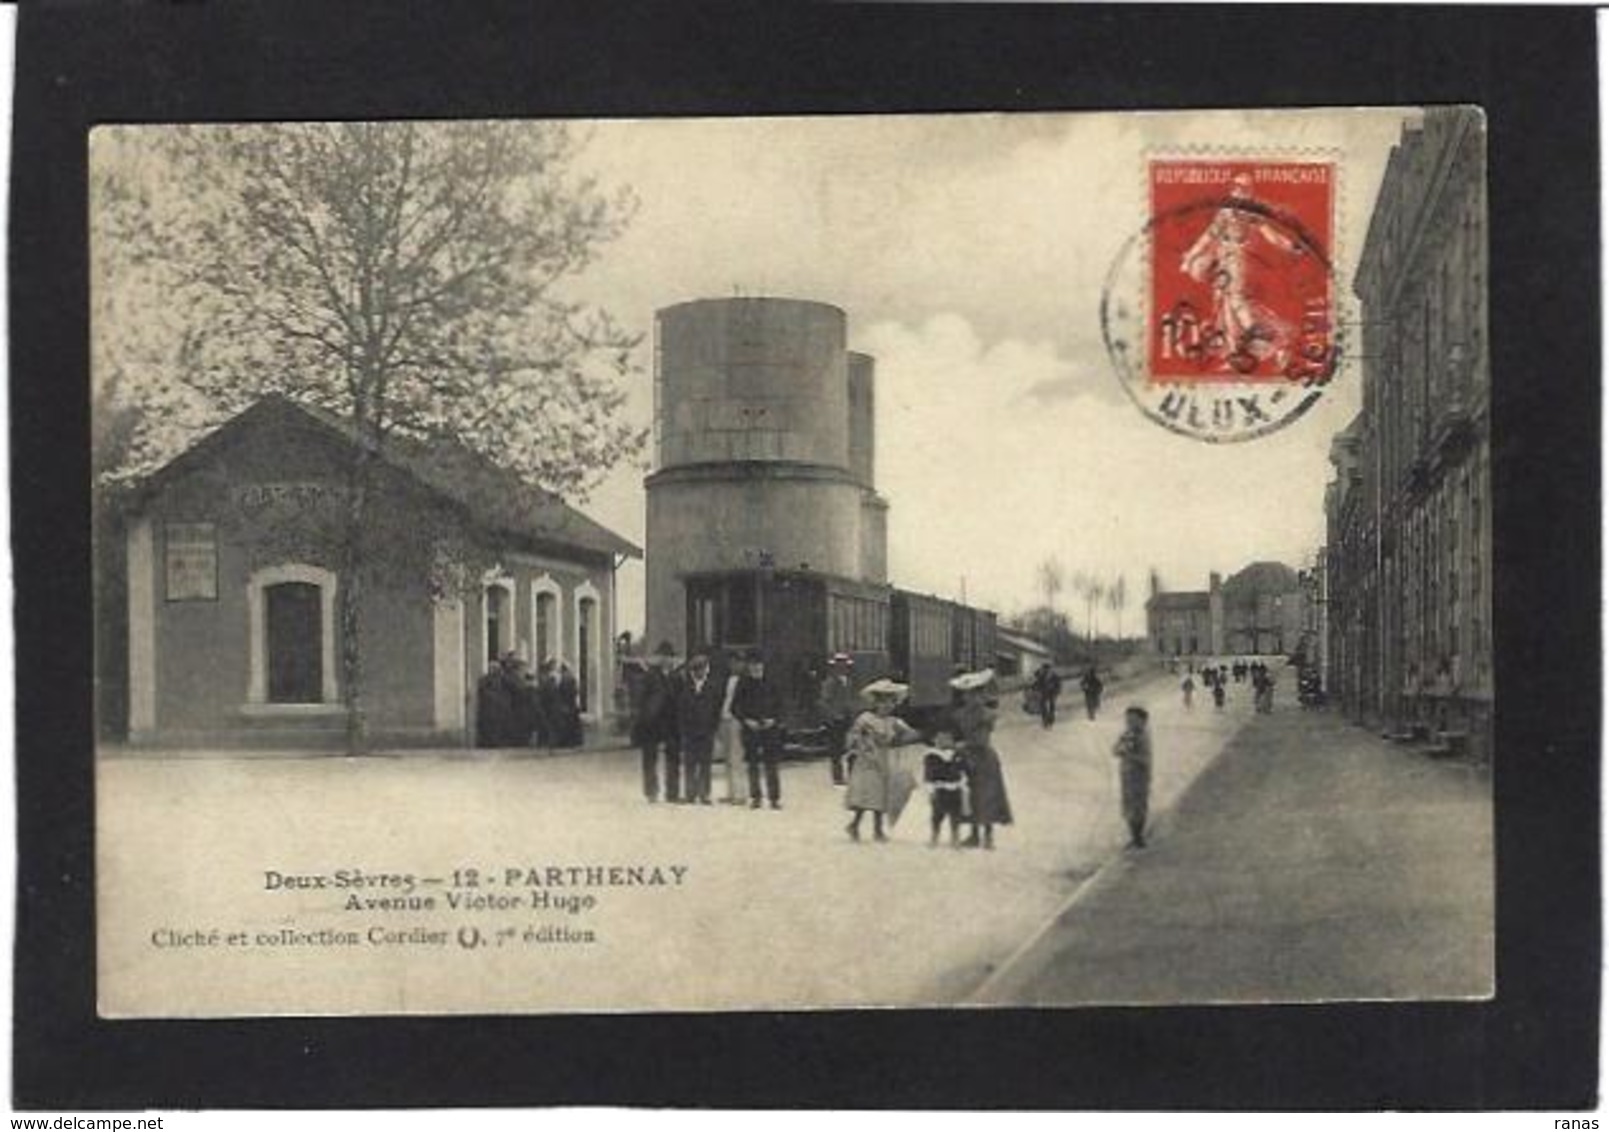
(1310, 862)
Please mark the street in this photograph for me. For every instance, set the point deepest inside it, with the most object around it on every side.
(779, 909)
(1311, 862)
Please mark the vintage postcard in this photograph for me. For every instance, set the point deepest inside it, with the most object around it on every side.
(725, 564)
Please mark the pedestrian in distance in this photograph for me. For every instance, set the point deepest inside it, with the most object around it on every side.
(872, 739)
(1218, 695)
(698, 715)
(547, 697)
(836, 703)
(1133, 752)
(527, 703)
(729, 735)
(494, 708)
(985, 777)
(1092, 686)
(1047, 682)
(654, 730)
(569, 701)
(1189, 690)
(944, 771)
(758, 710)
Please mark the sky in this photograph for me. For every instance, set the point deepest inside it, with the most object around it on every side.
(969, 252)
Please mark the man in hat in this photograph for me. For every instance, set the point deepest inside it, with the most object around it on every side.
(837, 704)
(1047, 682)
(698, 715)
(1133, 752)
(758, 710)
(494, 708)
(655, 726)
(1091, 683)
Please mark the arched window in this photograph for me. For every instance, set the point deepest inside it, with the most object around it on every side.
(499, 619)
(295, 643)
(586, 614)
(545, 614)
(291, 611)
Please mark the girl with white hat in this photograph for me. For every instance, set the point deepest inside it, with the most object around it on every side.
(872, 738)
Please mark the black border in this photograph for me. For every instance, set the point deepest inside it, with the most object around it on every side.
(1533, 71)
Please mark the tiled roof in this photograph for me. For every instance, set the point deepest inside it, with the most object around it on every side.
(496, 497)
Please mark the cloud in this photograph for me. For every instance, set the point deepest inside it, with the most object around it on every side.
(988, 477)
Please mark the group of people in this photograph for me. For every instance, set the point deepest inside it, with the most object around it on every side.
(960, 767)
(1215, 679)
(1045, 686)
(518, 707)
(688, 715)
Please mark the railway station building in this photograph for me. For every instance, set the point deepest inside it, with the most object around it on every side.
(233, 635)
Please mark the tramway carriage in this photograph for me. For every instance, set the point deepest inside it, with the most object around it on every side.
(797, 619)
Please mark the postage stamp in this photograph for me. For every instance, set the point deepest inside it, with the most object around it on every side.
(1220, 315)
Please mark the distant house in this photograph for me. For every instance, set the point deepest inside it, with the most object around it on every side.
(232, 571)
(1258, 611)
(1017, 654)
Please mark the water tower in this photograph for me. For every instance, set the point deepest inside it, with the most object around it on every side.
(763, 449)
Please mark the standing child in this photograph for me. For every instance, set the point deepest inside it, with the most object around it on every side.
(1189, 689)
(1133, 751)
(945, 774)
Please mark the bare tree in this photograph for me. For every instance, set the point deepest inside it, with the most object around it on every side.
(405, 276)
(1117, 599)
(1093, 591)
(1051, 580)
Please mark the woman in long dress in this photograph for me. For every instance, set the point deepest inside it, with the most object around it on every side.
(974, 725)
(871, 742)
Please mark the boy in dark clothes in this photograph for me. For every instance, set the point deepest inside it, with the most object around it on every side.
(945, 774)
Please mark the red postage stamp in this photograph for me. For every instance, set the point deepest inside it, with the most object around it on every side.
(1221, 315)
(1240, 272)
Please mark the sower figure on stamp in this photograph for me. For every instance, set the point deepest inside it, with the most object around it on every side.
(656, 726)
(1133, 752)
(698, 714)
(1247, 330)
(837, 704)
(757, 708)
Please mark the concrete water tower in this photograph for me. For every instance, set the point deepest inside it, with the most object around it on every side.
(763, 449)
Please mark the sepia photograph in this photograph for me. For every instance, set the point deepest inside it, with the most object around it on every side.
(962, 560)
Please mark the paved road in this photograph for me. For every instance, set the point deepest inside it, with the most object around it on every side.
(777, 909)
(1311, 861)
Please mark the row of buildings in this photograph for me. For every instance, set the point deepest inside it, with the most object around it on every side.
(1261, 610)
(1406, 575)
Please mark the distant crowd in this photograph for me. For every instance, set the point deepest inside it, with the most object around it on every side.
(518, 707)
(1216, 679)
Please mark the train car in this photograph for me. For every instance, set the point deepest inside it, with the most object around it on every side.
(796, 620)
(972, 638)
(920, 648)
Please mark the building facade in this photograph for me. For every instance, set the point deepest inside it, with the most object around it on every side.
(1409, 560)
(234, 579)
(764, 451)
(1259, 611)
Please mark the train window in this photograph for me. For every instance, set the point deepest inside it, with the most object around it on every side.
(742, 621)
(702, 610)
